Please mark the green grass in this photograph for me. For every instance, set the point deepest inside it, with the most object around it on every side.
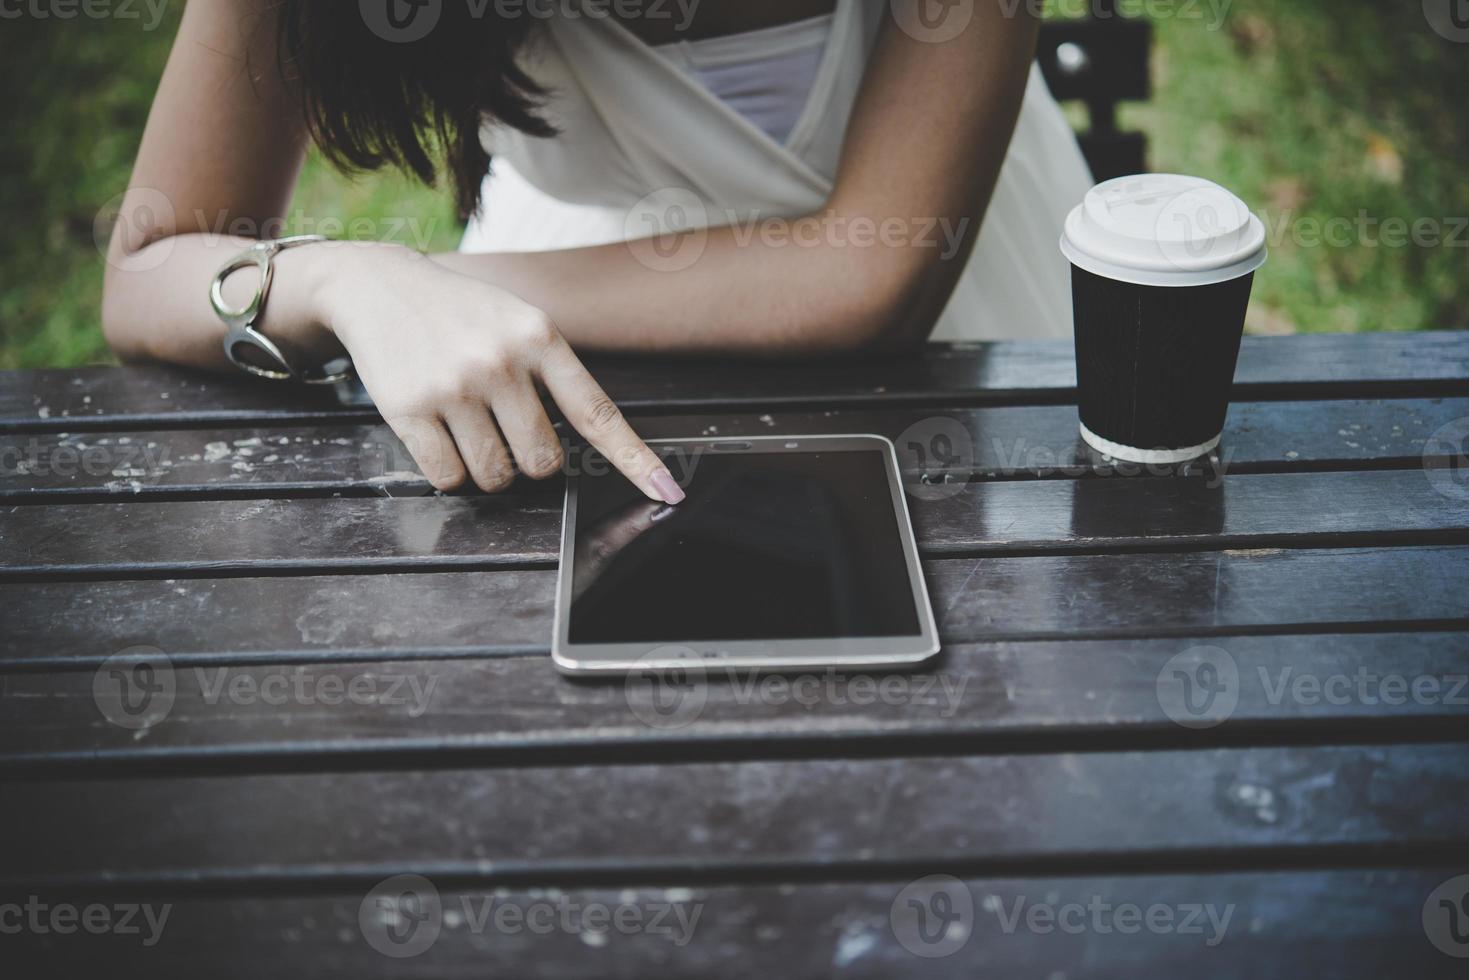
(1317, 111)
(1312, 110)
(80, 91)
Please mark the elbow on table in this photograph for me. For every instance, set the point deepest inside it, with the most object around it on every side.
(131, 284)
(890, 308)
(120, 326)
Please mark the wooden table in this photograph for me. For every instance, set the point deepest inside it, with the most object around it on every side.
(270, 556)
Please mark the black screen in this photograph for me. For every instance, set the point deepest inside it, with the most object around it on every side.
(767, 546)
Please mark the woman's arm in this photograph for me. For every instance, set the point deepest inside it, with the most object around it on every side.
(454, 364)
(924, 146)
(221, 153)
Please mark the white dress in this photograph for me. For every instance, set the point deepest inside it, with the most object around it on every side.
(635, 126)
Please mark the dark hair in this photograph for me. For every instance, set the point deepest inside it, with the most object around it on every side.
(373, 98)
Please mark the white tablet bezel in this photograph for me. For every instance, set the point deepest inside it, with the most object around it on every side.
(772, 655)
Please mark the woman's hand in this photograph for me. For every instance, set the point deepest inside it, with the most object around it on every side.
(456, 365)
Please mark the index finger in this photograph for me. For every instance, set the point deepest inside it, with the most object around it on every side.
(592, 413)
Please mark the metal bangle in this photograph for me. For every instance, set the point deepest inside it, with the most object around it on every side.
(241, 321)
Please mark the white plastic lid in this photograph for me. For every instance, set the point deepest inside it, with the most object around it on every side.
(1164, 230)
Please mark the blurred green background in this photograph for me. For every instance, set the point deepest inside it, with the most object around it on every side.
(1312, 110)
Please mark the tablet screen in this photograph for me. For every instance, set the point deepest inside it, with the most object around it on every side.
(767, 546)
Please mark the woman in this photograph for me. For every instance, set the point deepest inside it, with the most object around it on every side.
(773, 177)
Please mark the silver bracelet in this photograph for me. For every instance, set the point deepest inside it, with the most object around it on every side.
(242, 321)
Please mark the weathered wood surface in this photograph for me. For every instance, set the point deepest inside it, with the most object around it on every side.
(1264, 925)
(251, 538)
(795, 818)
(1001, 443)
(479, 613)
(1066, 694)
(214, 537)
(1315, 365)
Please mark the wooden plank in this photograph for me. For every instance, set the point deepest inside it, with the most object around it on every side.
(207, 537)
(977, 697)
(992, 814)
(474, 613)
(1322, 365)
(1264, 925)
(1248, 590)
(252, 537)
(992, 443)
(465, 614)
(1321, 361)
(1161, 512)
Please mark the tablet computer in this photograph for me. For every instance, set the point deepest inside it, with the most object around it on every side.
(789, 553)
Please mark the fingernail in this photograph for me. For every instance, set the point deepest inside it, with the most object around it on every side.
(662, 513)
(666, 486)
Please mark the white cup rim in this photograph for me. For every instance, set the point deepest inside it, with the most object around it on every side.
(1150, 277)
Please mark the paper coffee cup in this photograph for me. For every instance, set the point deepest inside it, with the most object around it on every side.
(1161, 270)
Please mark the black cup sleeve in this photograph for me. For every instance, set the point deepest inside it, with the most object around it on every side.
(1155, 364)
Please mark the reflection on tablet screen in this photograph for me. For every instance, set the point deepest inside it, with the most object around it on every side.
(766, 546)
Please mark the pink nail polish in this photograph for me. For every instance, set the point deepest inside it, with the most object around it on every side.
(666, 486)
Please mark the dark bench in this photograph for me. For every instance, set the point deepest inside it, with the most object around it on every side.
(1101, 60)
